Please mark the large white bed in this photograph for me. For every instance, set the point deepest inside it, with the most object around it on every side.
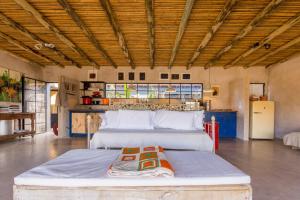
(81, 174)
(167, 138)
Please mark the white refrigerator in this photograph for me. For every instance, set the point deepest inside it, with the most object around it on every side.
(262, 119)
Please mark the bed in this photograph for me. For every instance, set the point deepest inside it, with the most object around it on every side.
(81, 174)
(168, 138)
(172, 130)
(292, 139)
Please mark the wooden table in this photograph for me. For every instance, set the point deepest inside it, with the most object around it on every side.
(19, 132)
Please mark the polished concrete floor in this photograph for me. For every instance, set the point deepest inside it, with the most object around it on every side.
(274, 168)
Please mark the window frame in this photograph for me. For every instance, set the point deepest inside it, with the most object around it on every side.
(158, 85)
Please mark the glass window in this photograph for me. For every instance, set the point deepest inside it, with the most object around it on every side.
(154, 91)
(35, 101)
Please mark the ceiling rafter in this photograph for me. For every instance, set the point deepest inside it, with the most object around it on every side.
(80, 23)
(286, 26)
(117, 30)
(50, 26)
(8, 21)
(151, 31)
(247, 29)
(28, 49)
(281, 48)
(215, 27)
(183, 23)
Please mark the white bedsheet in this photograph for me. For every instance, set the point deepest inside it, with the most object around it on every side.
(167, 138)
(292, 139)
(88, 168)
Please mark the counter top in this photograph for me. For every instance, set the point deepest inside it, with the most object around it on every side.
(222, 110)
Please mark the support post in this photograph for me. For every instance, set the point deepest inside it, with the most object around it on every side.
(88, 130)
(213, 132)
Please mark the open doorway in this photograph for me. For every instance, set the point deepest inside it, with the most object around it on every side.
(53, 90)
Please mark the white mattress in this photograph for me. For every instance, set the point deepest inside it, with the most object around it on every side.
(292, 139)
(88, 168)
(167, 138)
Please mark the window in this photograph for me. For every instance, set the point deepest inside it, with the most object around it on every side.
(154, 91)
(35, 101)
(257, 89)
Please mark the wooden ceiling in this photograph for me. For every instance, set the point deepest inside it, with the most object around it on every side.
(186, 33)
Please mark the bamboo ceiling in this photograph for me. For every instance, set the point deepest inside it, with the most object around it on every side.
(191, 33)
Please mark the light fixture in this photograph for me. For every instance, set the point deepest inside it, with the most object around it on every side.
(267, 46)
(208, 89)
(49, 45)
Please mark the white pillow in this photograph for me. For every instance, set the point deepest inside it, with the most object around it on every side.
(199, 119)
(174, 120)
(110, 119)
(135, 119)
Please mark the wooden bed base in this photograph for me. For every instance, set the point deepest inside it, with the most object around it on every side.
(220, 192)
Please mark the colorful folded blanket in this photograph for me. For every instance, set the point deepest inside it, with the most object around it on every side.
(141, 162)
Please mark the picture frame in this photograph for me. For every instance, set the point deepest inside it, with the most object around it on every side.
(142, 76)
(216, 90)
(186, 76)
(121, 76)
(92, 75)
(164, 76)
(175, 76)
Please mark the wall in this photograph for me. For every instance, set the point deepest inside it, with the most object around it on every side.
(15, 63)
(12, 62)
(219, 76)
(284, 89)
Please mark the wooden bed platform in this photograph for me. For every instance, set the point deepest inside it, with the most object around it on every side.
(220, 192)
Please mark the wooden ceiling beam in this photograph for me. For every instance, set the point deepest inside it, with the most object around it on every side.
(247, 29)
(80, 23)
(210, 34)
(117, 30)
(287, 25)
(28, 49)
(281, 48)
(35, 38)
(151, 32)
(50, 26)
(183, 23)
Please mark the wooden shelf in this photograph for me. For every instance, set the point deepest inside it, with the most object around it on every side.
(16, 134)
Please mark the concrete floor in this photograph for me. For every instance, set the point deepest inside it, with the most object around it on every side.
(274, 168)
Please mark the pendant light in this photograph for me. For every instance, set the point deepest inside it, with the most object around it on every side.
(170, 88)
(208, 88)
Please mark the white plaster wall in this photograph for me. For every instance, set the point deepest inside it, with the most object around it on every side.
(12, 62)
(284, 89)
(18, 64)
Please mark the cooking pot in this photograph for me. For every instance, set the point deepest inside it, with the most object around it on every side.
(86, 100)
